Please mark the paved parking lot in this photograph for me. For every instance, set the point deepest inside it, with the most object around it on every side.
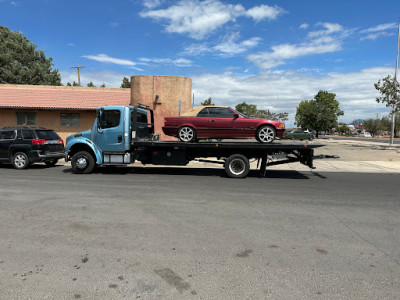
(167, 233)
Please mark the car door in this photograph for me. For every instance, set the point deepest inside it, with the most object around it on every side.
(110, 132)
(202, 124)
(7, 137)
(223, 122)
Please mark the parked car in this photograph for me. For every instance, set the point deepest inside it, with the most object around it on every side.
(365, 134)
(23, 146)
(220, 122)
(299, 135)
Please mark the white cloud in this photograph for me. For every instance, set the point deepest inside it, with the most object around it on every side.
(283, 90)
(381, 27)
(150, 4)
(328, 39)
(198, 18)
(374, 36)
(71, 44)
(113, 24)
(104, 58)
(180, 62)
(375, 32)
(109, 78)
(263, 11)
(303, 26)
(227, 47)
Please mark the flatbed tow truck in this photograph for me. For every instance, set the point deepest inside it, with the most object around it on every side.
(121, 135)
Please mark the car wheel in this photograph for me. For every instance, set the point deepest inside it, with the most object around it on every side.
(82, 163)
(265, 134)
(20, 160)
(187, 134)
(237, 166)
(51, 163)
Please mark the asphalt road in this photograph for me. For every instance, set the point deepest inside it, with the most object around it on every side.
(166, 233)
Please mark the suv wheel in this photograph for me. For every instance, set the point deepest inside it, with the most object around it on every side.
(82, 163)
(51, 163)
(20, 160)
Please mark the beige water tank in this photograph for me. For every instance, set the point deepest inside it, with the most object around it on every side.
(162, 94)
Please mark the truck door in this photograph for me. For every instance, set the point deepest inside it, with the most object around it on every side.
(110, 131)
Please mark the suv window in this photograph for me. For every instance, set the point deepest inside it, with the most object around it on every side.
(28, 135)
(47, 135)
(110, 118)
(203, 112)
(220, 112)
(7, 135)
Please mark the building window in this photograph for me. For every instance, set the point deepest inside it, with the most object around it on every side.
(26, 118)
(70, 120)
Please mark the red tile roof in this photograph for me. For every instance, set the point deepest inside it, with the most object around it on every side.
(61, 97)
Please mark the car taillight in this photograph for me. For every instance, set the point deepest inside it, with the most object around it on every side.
(61, 141)
(165, 122)
(38, 141)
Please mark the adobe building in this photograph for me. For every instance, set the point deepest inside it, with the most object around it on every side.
(68, 110)
(168, 96)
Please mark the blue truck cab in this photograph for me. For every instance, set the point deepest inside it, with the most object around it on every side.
(109, 140)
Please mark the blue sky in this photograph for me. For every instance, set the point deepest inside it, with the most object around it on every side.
(270, 53)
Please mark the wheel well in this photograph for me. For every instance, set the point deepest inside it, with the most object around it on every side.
(81, 147)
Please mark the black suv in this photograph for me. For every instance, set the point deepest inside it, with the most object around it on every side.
(26, 145)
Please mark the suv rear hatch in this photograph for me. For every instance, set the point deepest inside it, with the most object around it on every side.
(50, 141)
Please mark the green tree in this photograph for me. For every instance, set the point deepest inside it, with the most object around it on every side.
(390, 95)
(372, 125)
(69, 84)
(343, 128)
(90, 84)
(320, 113)
(75, 84)
(22, 63)
(103, 85)
(207, 102)
(247, 109)
(126, 83)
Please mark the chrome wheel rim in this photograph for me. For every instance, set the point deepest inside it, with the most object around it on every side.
(81, 162)
(20, 161)
(237, 166)
(186, 134)
(266, 134)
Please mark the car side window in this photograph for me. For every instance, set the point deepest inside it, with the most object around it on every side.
(7, 135)
(203, 113)
(220, 112)
(110, 119)
(27, 135)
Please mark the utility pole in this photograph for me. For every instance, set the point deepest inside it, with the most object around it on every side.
(79, 78)
(395, 81)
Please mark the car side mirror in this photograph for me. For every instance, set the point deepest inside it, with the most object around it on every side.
(235, 116)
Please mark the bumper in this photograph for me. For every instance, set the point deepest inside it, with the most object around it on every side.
(171, 131)
(280, 133)
(40, 156)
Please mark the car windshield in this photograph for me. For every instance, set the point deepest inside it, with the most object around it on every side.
(47, 135)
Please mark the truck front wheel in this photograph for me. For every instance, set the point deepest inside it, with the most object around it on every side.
(237, 166)
(82, 162)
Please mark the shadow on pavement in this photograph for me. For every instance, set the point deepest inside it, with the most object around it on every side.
(281, 174)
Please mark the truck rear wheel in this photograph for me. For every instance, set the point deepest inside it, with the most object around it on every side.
(237, 166)
(82, 162)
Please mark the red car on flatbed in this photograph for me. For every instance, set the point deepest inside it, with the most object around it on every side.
(221, 122)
